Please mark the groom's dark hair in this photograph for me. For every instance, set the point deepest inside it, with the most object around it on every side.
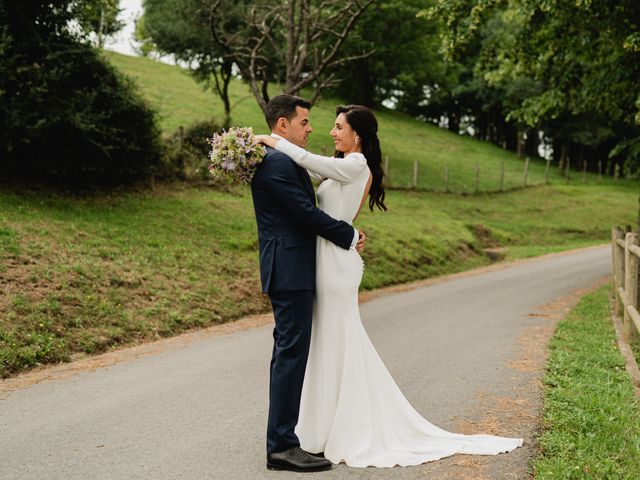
(283, 106)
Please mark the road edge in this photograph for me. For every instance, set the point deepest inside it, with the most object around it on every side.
(90, 363)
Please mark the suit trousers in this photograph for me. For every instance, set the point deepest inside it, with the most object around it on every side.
(291, 339)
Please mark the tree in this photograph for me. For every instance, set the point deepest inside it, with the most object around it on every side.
(592, 76)
(146, 45)
(456, 94)
(398, 67)
(65, 113)
(502, 86)
(582, 57)
(182, 28)
(99, 17)
(297, 42)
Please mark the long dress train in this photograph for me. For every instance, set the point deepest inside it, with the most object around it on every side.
(351, 408)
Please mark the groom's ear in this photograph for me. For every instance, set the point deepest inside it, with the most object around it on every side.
(282, 123)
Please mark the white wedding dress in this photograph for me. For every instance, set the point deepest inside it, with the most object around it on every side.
(351, 408)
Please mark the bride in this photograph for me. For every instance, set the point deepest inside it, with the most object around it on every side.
(351, 409)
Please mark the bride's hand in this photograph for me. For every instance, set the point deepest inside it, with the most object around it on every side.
(362, 238)
(267, 140)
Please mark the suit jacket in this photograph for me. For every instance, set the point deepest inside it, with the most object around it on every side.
(288, 222)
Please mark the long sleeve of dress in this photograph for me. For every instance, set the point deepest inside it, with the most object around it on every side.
(343, 170)
(314, 175)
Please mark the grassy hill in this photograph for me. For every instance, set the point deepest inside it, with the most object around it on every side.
(181, 101)
(81, 274)
(84, 274)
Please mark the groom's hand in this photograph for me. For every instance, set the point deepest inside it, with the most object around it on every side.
(362, 238)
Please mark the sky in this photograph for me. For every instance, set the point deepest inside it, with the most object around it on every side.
(122, 42)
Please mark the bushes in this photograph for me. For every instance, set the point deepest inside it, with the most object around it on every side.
(66, 115)
(189, 158)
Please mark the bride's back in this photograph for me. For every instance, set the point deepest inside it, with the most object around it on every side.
(342, 200)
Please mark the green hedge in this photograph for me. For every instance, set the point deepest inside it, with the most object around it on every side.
(66, 115)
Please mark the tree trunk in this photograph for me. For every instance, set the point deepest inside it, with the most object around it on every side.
(453, 117)
(368, 89)
(101, 29)
(520, 142)
(453, 124)
(481, 122)
(257, 93)
(532, 143)
(563, 156)
(265, 90)
(509, 137)
(221, 80)
(226, 101)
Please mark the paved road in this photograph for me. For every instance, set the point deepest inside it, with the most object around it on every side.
(199, 412)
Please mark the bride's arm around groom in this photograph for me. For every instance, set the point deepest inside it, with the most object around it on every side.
(343, 170)
(281, 181)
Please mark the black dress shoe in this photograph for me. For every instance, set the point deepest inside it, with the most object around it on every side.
(296, 460)
(317, 455)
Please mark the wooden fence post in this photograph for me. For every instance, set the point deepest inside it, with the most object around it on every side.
(415, 173)
(618, 268)
(446, 178)
(566, 171)
(616, 173)
(546, 172)
(181, 163)
(599, 171)
(630, 284)
(386, 170)
(526, 171)
(502, 176)
(477, 187)
(180, 137)
(613, 260)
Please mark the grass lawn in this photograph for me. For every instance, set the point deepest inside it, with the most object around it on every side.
(83, 274)
(181, 101)
(591, 415)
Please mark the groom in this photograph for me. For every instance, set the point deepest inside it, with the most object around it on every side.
(288, 222)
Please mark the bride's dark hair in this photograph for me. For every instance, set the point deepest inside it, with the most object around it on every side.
(364, 122)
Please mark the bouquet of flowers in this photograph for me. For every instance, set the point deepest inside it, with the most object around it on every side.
(235, 155)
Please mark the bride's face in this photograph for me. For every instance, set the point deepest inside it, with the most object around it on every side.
(344, 136)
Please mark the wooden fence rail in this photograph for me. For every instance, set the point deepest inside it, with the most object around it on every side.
(626, 256)
(475, 175)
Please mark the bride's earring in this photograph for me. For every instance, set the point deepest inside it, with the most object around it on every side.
(357, 140)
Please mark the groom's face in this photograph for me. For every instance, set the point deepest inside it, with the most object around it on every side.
(298, 129)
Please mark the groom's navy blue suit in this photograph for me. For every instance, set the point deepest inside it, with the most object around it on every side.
(288, 222)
